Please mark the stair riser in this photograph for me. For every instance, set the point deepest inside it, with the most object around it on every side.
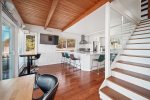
(142, 70)
(125, 92)
(144, 12)
(142, 28)
(104, 97)
(140, 36)
(143, 25)
(144, 31)
(139, 40)
(144, 2)
(137, 52)
(144, 22)
(146, 6)
(145, 17)
(135, 59)
(133, 80)
(139, 46)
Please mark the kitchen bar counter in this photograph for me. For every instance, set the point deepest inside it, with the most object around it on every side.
(86, 59)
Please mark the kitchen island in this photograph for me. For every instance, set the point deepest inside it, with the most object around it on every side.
(86, 59)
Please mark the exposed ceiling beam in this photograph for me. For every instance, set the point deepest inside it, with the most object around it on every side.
(87, 12)
(51, 12)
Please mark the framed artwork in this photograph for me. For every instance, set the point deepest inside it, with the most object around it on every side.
(64, 43)
(61, 43)
(70, 43)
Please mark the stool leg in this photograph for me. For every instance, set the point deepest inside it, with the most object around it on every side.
(67, 61)
(92, 65)
(70, 61)
(63, 64)
(80, 64)
(74, 65)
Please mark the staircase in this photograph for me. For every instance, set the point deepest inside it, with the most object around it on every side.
(144, 9)
(130, 79)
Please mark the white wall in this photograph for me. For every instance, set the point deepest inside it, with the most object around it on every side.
(49, 55)
(129, 8)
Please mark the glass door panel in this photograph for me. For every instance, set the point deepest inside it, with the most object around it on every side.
(7, 50)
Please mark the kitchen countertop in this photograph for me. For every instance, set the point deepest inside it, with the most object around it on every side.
(89, 53)
(82, 52)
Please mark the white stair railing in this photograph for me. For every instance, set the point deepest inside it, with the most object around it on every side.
(123, 37)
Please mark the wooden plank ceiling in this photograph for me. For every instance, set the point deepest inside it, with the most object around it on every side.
(58, 14)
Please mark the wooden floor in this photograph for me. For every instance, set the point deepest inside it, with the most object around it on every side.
(77, 85)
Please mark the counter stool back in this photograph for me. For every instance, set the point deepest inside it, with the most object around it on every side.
(99, 61)
(67, 57)
(72, 57)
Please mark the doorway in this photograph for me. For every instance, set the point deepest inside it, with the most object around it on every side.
(7, 69)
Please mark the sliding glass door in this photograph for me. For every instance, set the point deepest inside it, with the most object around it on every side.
(7, 70)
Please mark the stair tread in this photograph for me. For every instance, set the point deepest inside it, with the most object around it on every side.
(113, 94)
(133, 74)
(145, 20)
(142, 56)
(134, 64)
(129, 86)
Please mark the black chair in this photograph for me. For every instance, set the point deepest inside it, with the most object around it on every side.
(48, 84)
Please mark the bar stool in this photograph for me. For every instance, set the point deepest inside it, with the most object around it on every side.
(68, 60)
(99, 60)
(34, 67)
(74, 60)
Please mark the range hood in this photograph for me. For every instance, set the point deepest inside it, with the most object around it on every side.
(83, 41)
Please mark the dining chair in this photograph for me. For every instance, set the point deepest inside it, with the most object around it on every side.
(48, 84)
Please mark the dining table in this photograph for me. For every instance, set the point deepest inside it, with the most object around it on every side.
(20, 88)
(29, 60)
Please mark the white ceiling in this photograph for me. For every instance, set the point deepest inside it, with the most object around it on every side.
(95, 22)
